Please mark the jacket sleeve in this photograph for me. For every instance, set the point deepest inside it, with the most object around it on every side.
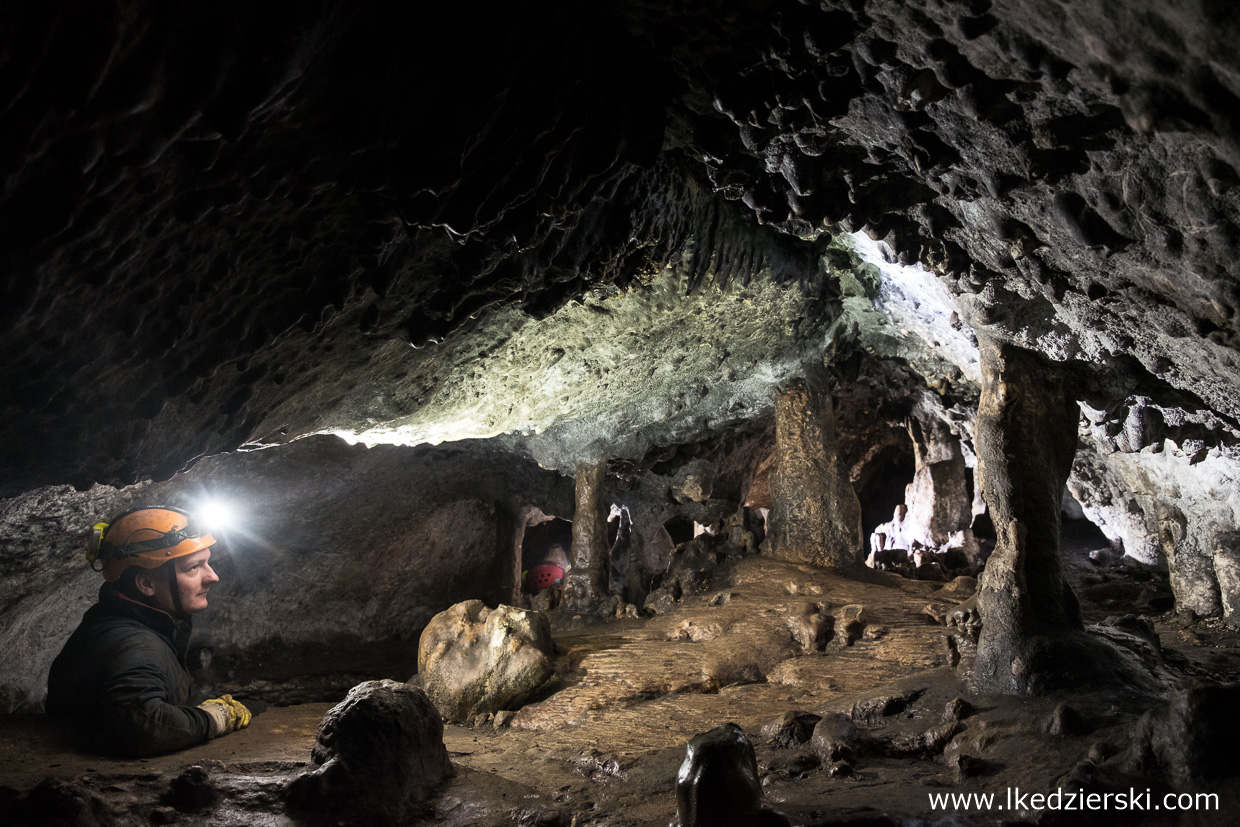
(143, 707)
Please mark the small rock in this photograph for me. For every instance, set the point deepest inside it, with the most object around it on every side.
(936, 739)
(660, 601)
(875, 632)
(792, 728)
(849, 624)
(840, 769)
(957, 709)
(966, 766)
(966, 619)
(960, 588)
(1065, 721)
(873, 709)
(812, 629)
(938, 612)
(804, 761)
(192, 790)
(503, 718)
(836, 738)
(163, 815)
(546, 600)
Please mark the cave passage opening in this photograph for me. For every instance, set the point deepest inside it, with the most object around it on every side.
(547, 542)
(886, 489)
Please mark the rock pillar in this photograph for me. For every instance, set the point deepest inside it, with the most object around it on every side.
(939, 504)
(815, 514)
(1190, 566)
(1227, 570)
(586, 585)
(1026, 438)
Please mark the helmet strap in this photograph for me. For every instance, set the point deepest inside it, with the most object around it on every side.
(174, 586)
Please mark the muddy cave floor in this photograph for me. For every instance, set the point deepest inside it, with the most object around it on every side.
(605, 748)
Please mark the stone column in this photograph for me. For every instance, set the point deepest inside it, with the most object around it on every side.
(1026, 438)
(586, 585)
(815, 514)
(1190, 564)
(938, 497)
(1227, 570)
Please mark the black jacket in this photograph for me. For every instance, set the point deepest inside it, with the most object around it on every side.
(122, 677)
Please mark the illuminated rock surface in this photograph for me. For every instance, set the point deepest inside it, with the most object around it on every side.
(477, 661)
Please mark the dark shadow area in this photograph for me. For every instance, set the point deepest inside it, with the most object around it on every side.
(886, 488)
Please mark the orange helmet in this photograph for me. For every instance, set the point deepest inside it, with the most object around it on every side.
(147, 537)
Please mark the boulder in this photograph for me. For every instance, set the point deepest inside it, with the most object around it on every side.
(475, 661)
(379, 752)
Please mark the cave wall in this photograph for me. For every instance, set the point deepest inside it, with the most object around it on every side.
(335, 547)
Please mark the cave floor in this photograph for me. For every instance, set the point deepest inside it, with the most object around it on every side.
(605, 748)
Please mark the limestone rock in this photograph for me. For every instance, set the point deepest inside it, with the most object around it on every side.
(957, 709)
(836, 738)
(192, 790)
(694, 482)
(1066, 721)
(380, 752)
(812, 628)
(473, 660)
(792, 728)
(717, 784)
(887, 703)
(850, 623)
(1192, 570)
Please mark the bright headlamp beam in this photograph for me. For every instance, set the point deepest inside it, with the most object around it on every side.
(215, 515)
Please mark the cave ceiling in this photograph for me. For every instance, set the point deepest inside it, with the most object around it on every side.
(592, 229)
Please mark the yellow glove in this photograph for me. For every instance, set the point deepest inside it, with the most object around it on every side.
(226, 715)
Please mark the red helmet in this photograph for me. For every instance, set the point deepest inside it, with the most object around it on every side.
(544, 576)
(147, 537)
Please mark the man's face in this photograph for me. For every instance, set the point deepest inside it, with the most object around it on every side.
(195, 577)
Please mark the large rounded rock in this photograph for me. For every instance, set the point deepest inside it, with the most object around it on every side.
(380, 753)
(474, 660)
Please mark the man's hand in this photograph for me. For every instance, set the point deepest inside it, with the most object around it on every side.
(226, 714)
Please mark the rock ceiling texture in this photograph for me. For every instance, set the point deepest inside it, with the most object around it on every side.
(595, 229)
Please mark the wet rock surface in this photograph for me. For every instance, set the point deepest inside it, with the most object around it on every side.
(718, 783)
(380, 754)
